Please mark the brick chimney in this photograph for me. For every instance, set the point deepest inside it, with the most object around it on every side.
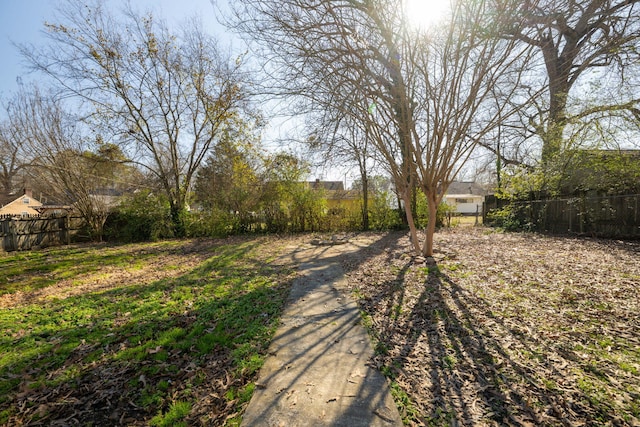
(28, 193)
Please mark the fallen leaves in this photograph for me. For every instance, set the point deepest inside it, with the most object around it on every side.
(515, 329)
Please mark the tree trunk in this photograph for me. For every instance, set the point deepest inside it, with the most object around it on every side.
(365, 201)
(415, 241)
(553, 137)
(559, 71)
(6, 184)
(430, 230)
(402, 211)
(177, 220)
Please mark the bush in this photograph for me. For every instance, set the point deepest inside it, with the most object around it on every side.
(512, 217)
(381, 215)
(422, 214)
(140, 217)
(211, 223)
(444, 214)
(342, 219)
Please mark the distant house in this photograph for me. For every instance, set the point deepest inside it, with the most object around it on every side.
(24, 205)
(54, 210)
(338, 199)
(101, 203)
(465, 197)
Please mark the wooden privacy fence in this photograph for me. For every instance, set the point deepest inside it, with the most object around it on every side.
(609, 216)
(30, 232)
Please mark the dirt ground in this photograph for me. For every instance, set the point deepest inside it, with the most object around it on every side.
(508, 329)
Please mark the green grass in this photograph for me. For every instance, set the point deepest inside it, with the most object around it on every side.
(224, 311)
(30, 271)
(173, 417)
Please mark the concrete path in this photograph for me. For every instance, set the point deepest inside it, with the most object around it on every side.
(317, 371)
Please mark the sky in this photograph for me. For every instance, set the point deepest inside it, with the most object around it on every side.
(22, 22)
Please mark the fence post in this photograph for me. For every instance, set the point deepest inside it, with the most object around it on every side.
(13, 233)
(67, 226)
(4, 234)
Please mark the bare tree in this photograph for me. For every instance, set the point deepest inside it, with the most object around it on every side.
(12, 156)
(421, 99)
(10, 162)
(457, 73)
(56, 150)
(166, 98)
(578, 42)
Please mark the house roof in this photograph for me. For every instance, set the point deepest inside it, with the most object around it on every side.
(327, 185)
(25, 203)
(466, 188)
(462, 196)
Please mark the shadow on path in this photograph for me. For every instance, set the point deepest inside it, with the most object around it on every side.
(318, 370)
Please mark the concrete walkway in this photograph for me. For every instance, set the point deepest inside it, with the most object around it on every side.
(317, 371)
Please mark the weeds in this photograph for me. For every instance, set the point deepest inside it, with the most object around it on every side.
(128, 348)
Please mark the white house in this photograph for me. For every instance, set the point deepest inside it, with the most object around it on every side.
(465, 197)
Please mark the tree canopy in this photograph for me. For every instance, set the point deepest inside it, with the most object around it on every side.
(423, 99)
(166, 98)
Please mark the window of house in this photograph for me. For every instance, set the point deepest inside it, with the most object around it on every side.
(464, 201)
(26, 200)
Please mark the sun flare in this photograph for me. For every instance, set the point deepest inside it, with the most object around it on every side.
(422, 14)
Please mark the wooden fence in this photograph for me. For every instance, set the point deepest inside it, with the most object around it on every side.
(32, 232)
(609, 216)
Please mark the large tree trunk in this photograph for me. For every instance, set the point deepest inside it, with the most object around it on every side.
(553, 135)
(559, 71)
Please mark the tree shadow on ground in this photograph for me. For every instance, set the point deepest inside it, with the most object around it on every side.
(453, 359)
(122, 356)
(318, 356)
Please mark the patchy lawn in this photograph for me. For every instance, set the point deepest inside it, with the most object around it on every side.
(160, 334)
(507, 329)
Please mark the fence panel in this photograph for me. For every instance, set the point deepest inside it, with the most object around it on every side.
(610, 216)
(25, 233)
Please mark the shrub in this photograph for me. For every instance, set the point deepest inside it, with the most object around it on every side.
(142, 216)
(342, 219)
(422, 211)
(512, 217)
(381, 215)
(211, 223)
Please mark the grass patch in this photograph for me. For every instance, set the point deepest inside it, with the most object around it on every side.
(174, 417)
(34, 270)
(134, 346)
